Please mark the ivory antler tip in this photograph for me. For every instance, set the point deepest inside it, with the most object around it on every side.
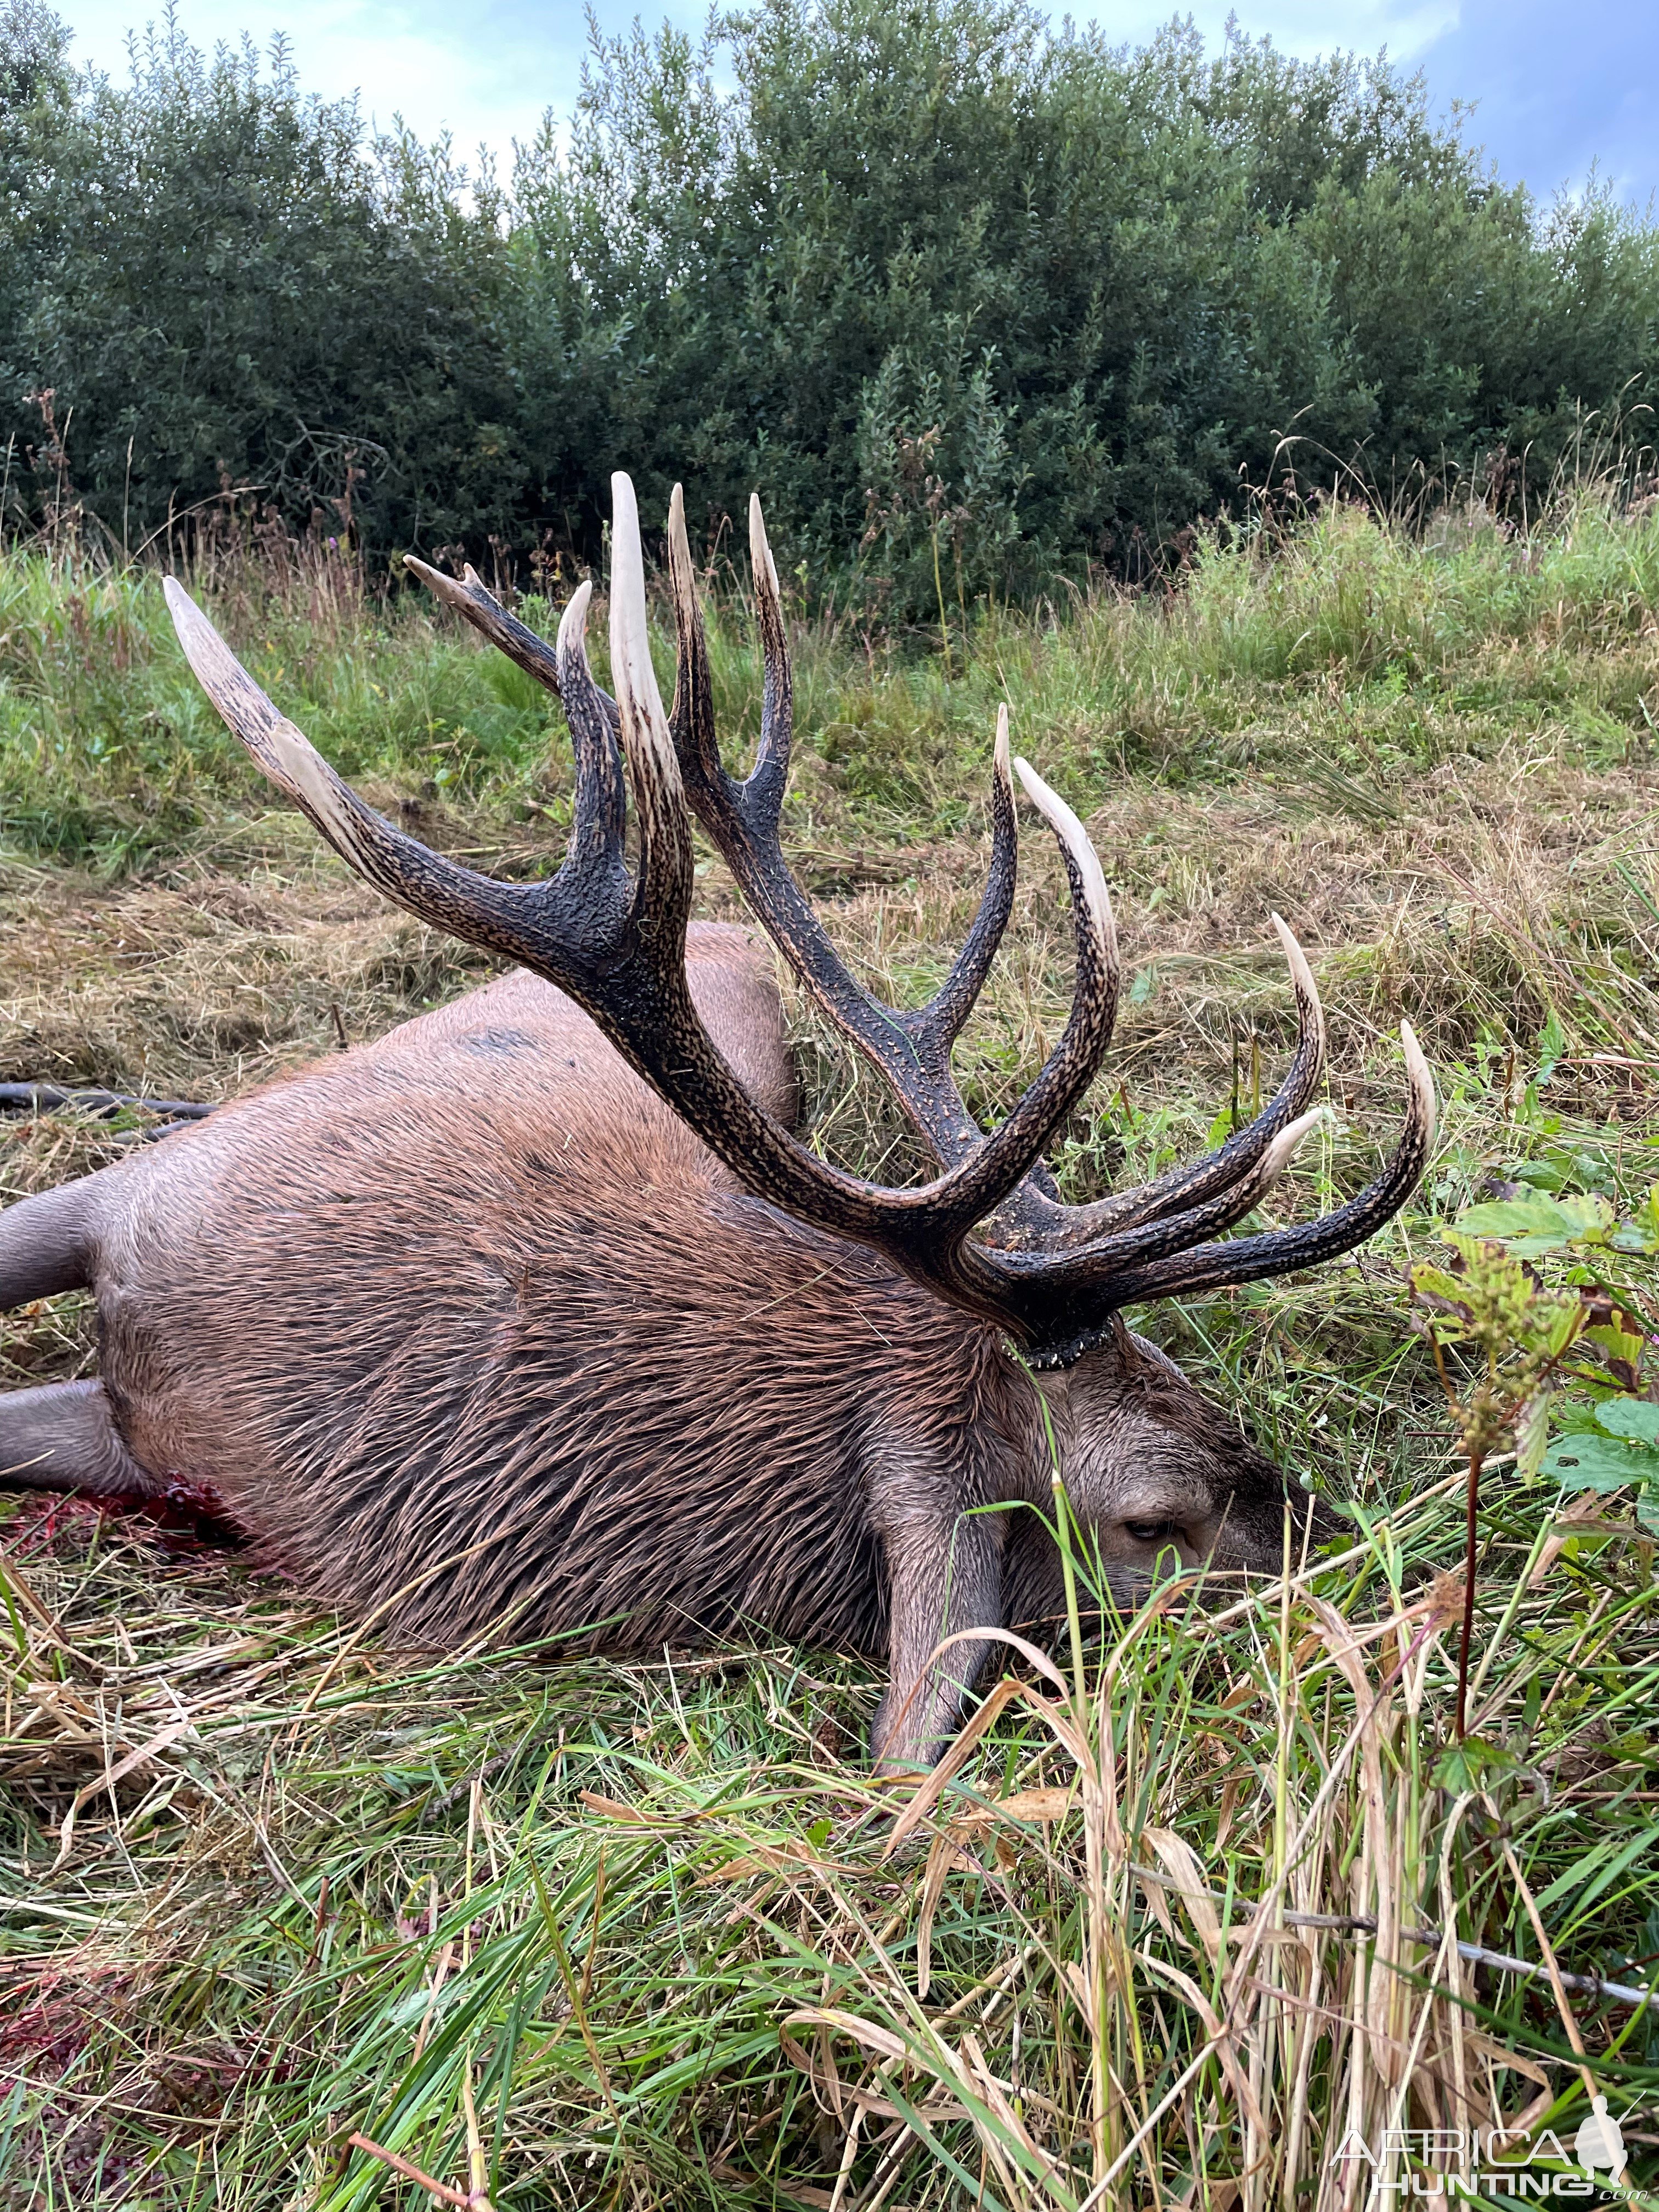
(760, 549)
(1284, 1144)
(1418, 1072)
(679, 545)
(573, 621)
(1075, 842)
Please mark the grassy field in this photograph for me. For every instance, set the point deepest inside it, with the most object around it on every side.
(1188, 1914)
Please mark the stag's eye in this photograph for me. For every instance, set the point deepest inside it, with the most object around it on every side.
(1152, 1532)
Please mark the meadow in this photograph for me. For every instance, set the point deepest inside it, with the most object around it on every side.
(1215, 1907)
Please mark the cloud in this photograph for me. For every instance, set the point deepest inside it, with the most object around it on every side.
(1555, 92)
(488, 79)
(491, 75)
(1306, 27)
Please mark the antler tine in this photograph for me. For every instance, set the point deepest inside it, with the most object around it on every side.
(475, 603)
(769, 776)
(601, 813)
(502, 917)
(939, 1023)
(1195, 1183)
(644, 724)
(1236, 1260)
(601, 807)
(1071, 1067)
(935, 1026)
(691, 723)
(662, 902)
(910, 1050)
(1063, 1274)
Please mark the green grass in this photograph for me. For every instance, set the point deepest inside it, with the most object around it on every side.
(1346, 648)
(645, 1935)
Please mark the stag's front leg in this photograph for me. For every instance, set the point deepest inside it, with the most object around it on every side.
(945, 1575)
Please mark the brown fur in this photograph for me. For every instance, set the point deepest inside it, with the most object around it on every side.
(476, 1337)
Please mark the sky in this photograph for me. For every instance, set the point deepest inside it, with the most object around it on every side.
(1560, 93)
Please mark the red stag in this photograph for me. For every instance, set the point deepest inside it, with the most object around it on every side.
(537, 1315)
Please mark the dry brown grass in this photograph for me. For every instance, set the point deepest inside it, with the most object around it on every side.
(244, 1850)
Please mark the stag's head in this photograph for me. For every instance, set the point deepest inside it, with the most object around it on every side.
(1149, 1462)
(1159, 1474)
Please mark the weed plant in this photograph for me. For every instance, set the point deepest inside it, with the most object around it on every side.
(1208, 1896)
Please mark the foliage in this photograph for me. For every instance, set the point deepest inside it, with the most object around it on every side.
(228, 288)
(1345, 658)
(1605, 1408)
(977, 300)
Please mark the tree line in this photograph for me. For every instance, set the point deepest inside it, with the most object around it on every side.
(974, 299)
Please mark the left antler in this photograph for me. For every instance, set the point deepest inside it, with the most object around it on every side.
(617, 945)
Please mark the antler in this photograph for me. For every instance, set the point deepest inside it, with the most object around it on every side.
(1053, 1274)
(912, 1049)
(618, 948)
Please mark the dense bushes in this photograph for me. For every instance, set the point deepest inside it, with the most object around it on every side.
(974, 300)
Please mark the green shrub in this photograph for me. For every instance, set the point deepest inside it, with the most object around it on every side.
(978, 301)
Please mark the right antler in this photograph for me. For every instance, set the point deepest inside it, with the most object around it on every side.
(617, 947)
(1053, 1274)
(911, 1048)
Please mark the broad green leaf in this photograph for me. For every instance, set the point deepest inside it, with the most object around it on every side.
(1591, 1214)
(1473, 1763)
(1646, 1217)
(1517, 1217)
(1539, 1224)
(1532, 1425)
(1551, 1046)
(1434, 1282)
(1564, 1325)
(1602, 1463)
(1633, 1418)
(1616, 1344)
(1538, 1175)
